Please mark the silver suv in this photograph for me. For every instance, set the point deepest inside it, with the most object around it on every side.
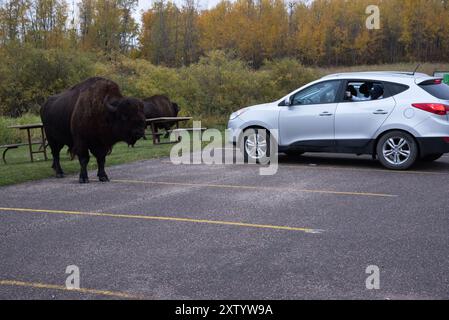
(395, 116)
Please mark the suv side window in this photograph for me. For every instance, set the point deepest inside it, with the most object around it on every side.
(364, 90)
(319, 93)
(392, 89)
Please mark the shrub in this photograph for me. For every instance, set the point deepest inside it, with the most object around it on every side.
(287, 75)
(29, 76)
(218, 85)
(8, 135)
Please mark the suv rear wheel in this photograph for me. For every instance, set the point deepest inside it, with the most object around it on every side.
(397, 150)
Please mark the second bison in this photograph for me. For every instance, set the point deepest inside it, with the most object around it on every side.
(91, 116)
(160, 106)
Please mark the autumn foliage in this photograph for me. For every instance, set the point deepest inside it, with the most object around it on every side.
(319, 32)
(212, 61)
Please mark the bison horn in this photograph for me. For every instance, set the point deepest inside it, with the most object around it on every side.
(110, 107)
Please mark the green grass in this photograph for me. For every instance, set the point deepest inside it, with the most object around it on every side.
(20, 169)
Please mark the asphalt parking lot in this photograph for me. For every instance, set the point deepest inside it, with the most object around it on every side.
(161, 231)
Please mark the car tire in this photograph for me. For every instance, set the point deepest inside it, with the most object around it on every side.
(256, 145)
(432, 157)
(397, 150)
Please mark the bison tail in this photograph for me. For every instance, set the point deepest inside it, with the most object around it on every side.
(75, 150)
(71, 152)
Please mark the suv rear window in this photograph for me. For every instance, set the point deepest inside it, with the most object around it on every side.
(440, 91)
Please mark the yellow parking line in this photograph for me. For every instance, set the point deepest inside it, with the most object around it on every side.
(133, 216)
(38, 285)
(346, 193)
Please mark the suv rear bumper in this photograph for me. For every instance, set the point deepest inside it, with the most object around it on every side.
(434, 145)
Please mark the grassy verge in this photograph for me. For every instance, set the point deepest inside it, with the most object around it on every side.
(20, 169)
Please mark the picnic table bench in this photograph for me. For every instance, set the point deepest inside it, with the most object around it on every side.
(8, 147)
(156, 135)
(43, 143)
(28, 127)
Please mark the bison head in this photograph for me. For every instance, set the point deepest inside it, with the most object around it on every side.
(128, 119)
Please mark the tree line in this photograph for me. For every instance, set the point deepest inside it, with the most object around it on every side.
(212, 61)
(105, 25)
(319, 32)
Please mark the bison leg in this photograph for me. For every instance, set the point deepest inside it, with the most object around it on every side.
(55, 150)
(102, 176)
(100, 155)
(83, 157)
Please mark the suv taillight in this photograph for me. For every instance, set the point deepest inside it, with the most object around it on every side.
(435, 108)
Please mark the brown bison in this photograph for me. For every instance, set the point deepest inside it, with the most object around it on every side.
(91, 116)
(159, 106)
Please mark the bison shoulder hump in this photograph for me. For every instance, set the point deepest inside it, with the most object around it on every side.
(96, 82)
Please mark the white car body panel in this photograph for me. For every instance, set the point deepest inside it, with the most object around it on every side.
(349, 120)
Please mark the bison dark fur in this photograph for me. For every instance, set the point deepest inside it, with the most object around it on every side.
(91, 116)
(159, 106)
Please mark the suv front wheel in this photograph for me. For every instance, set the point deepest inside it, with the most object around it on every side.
(256, 145)
(397, 150)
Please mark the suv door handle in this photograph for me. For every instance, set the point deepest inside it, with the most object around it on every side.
(326, 114)
(380, 111)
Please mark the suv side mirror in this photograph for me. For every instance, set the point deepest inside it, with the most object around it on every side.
(287, 102)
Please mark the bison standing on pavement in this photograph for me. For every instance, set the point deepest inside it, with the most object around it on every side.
(91, 116)
(159, 106)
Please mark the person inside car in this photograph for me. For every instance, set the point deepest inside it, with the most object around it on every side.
(377, 92)
(350, 92)
(365, 91)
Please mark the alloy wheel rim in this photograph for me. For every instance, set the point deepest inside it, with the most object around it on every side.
(256, 146)
(396, 150)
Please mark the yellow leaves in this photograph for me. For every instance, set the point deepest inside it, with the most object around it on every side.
(314, 32)
(256, 30)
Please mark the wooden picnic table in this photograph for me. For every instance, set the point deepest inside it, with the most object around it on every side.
(154, 129)
(42, 142)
